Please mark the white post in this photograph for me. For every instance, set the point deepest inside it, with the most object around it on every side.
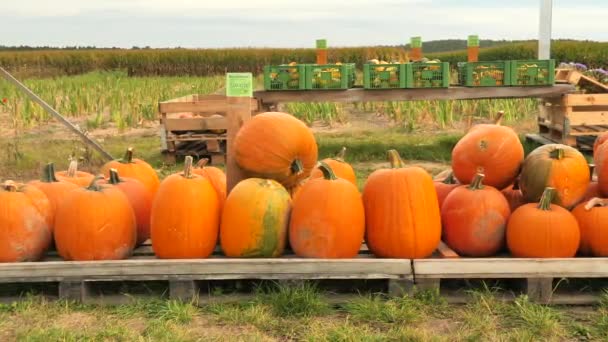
(544, 32)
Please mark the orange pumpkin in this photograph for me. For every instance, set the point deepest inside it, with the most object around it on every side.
(557, 166)
(444, 187)
(592, 218)
(72, 175)
(134, 168)
(55, 190)
(514, 196)
(277, 146)
(255, 219)
(25, 217)
(140, 199)
(599, 141)
(401, 211)
(341, 168)
(216, 176)
(602, 168)
(474, 219)
(493, 150)
(327, 219)
(543, 230)
(95, 223)
(185, 216)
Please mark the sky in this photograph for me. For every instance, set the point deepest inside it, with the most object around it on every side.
(286, 23)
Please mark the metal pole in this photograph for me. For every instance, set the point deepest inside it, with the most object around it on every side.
(544, 32)
(54, 113)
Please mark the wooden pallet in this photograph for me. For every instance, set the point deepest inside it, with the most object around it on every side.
(576, 78)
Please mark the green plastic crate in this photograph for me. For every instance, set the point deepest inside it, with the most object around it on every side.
(285, 77)
(429, 75)
(485, 74)
(533, 72)
(385, 76)
(330, 76)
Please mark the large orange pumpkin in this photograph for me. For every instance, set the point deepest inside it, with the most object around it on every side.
(493, 150)
(95, 223)
(602, 169)
(599, 141)
(514, 196)
(474, 219)
(134, 168)
(276, 146)
(54, 189)
(557, 166)
(24, 222)
(185, 216)
(327, 219)
(543, 230)
(401, 211)
(444, 187)
(72, 175)
(341, 168)
(139, 197)
(592, 217)
(255, 219)
(216, 176)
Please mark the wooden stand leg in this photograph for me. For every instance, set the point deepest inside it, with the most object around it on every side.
(184, 290)
(73, 290)
(400, 287)
(540, 290)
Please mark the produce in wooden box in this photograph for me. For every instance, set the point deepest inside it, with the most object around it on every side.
(216, 176)
(134, 168)
(592, 217)
(185, 216)
(140, 199)
(54, 189)
(95, 223)
(444, 187)
(341, 168)
(74, 176)
(25, 216)
(401, 211)
(474, 219)
(514, 196)
(491, 149)
(327, 219)
(276, 146)
(255, 219)
(602, 169)
(593, 190)
(557, 166)
(543, 230)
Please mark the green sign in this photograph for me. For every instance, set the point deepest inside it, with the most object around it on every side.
(416, 42)
(321, 43)
(239, 84)
(473, 40)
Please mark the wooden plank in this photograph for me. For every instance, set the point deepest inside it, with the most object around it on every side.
(219, 105)
(538, 139)
(587, 118)
(452, 93)
(195, 124)
(213, 145)
(239, 112)
(511, 268)
(445, 251)
(586, 100)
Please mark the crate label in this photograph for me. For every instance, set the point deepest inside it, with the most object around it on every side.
(416, 42)
(321, 43)
(473, 40)
(239, 84)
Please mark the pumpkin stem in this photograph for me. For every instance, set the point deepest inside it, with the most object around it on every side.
(10, 186)
(114, 178)
(558, 153)
(341, 155)
(596, 202)
(72, 169)
(545, 200)
(477, 183)
(202, 163)
(328, 173)
(297, 167)
(395, 159)
(450, 179)
(499, 116)
(128, 158)
(591, 170)
(94, 186)
(48, 174)
(188, 167)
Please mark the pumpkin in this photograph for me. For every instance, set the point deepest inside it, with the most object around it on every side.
(557, 166)
(25, 215)
(543, 230)
(514, 196)
(599, 141)
(340, 168)
(401, 211)
(327, 219)
(140, 199)
(72, 175)
(491, 149)
(592, 218)
(474, 219)
(444, 187)
(602, 169)
(185, 216)
(95, 223)
(593, 190)
(277, 146)
(54, 189)
(255, 219)
(216, 176)
(134, 168)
